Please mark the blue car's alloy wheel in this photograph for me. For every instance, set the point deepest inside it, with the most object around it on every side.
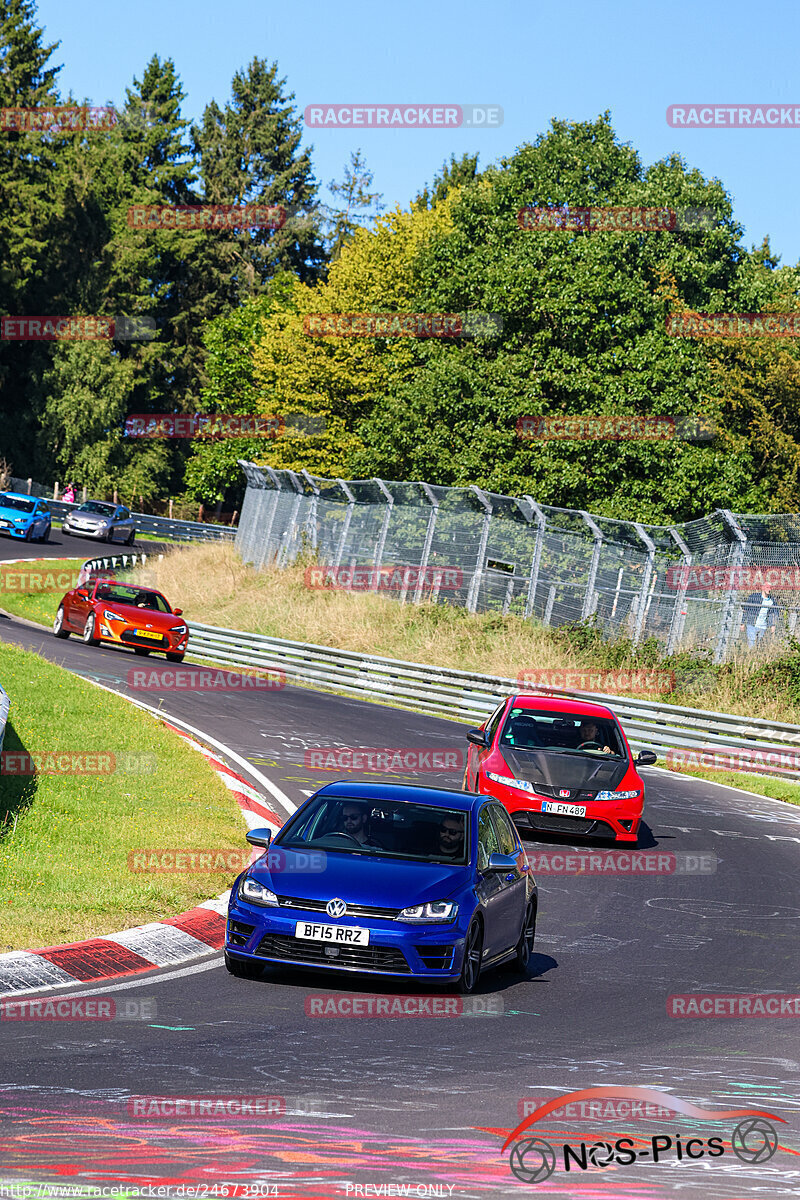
(471, 967)
(526, 938)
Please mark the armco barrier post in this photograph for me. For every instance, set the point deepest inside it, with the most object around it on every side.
(313, 508)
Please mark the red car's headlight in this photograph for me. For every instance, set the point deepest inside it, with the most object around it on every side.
(619, 795)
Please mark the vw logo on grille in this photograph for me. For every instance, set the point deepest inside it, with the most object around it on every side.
(564, 792)
(336, 908)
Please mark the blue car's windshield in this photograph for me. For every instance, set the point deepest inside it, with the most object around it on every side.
(380, 828)
(16, 502)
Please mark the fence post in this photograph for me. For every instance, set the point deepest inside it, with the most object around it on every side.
(351, 503)
(430, 496)
(587, 608)
(679, 613)
(729, 603)
(312, 520)
(477, 574)
(641, 609)
(290, 537)
(384, 531)
(278, 488)
(541, 522)
(30, 485)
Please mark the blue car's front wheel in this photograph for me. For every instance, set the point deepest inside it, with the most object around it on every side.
(471, 965)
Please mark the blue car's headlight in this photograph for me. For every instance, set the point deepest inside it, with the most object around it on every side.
(439, 910)
(509, 781)
(619, 795)
(256, 893)
(20, 520)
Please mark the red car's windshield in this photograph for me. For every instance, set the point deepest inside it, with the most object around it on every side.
(559, 732)
(138, 597)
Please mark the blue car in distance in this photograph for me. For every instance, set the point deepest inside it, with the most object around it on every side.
(24, 516)
(386, 879)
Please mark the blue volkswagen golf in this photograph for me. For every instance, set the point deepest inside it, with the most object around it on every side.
(386, 879)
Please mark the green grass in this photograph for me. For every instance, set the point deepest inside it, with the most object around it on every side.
(38, 605)
(64, 872)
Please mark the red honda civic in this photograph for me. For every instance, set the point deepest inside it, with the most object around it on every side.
(559, 766)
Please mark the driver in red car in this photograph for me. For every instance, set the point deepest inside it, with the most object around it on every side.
(590, 732)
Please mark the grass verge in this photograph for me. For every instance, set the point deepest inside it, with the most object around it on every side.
(64, 872)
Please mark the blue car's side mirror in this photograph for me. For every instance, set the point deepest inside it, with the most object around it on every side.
(259, 837)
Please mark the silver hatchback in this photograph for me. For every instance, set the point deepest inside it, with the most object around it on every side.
(101, 520)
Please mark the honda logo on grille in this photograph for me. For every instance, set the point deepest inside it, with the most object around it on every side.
(336, 908)
(564, 792)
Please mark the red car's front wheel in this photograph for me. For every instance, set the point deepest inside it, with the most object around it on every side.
(89, 638)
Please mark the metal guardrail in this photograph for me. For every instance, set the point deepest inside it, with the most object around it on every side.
(5, 705)
(182, 531)
(464, 696)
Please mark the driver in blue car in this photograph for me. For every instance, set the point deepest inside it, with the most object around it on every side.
(590, 732)
(354, 823)
(451, 837)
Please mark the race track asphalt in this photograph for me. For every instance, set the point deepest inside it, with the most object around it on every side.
(379, 1103)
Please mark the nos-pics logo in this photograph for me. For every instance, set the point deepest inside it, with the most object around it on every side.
(532, 1160)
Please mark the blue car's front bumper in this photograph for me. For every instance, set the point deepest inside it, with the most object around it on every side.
(432, 952)
(17, 531)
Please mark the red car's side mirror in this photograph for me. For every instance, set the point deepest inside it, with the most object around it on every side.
(178, 612)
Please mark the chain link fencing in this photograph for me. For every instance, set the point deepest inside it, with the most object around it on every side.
(697, 586)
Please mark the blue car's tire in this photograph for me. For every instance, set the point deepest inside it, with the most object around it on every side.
(526, 939)
(46, 535)
(242, 968)
(473, 953)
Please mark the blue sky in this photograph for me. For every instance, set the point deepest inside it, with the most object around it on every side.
(570, 60)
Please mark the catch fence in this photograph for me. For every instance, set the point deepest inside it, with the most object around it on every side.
(692, 586)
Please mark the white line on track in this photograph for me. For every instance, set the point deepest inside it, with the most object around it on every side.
(272, 788)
